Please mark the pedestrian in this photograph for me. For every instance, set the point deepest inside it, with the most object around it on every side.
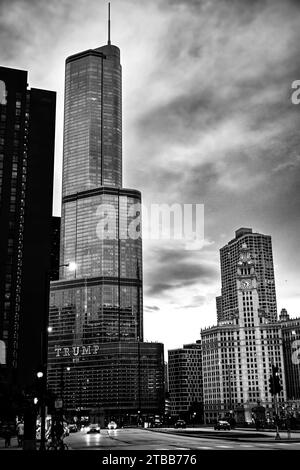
(288, 427)
(20, 433)
(7, 436)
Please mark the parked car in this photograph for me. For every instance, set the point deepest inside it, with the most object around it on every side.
(180, 423)
(112, 425)
(93, 428)
(222, 425)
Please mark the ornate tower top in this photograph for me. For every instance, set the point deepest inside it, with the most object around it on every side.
(246, 263)
(245, 256)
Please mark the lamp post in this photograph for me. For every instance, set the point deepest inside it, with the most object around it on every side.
(42, 375)
(44, 353)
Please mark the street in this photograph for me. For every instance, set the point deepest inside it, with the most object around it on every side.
(171, 439)
(158, 439)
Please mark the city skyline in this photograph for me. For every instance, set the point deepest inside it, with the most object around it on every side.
(220, 135)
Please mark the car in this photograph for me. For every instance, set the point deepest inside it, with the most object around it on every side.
(73, 427)
(180, 423)
(157, 424)
(112, 425)
(93, 428)
(221, 424)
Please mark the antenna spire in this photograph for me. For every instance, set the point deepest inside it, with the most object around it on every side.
(108, 42)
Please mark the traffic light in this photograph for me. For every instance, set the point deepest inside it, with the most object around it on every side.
(276, 380)
(271, 385)
(37, 389)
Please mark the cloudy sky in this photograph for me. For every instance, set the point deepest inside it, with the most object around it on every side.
(207, 119)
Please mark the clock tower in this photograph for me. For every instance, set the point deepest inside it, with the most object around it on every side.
(238, 353)
(248, 301)
(246, 276)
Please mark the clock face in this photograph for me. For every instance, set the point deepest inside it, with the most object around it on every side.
(245, 284)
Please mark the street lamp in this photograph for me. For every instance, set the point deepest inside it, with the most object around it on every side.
(72, 266)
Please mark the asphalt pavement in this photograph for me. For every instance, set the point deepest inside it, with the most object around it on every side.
(173, 439)
(187, 439)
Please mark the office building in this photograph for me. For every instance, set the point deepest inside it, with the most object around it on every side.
(185, 381)
(260, 247)
(238, 353)
(219, 307)
(27, 130)
(290, 328)
(98, 306)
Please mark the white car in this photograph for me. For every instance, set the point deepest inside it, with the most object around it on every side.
(93, 428)
(112, 425)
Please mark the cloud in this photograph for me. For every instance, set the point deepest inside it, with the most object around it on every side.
(208, 119)
(289, 165)
(197, 301)
(151, 308)
(175, 270)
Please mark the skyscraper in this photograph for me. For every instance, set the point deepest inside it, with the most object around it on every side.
(239, 352)
(55, 242)
(185, 381)
(291, 342)
(27, 129)
(96, 309)
(260, 247)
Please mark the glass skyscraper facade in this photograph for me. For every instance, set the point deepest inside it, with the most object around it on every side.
(100, 301)
(93, 121)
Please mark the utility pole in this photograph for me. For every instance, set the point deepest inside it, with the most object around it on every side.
(275, 388)
(43, 372)
(277, 437)
(229, 390)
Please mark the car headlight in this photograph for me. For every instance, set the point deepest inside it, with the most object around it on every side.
(88, 429)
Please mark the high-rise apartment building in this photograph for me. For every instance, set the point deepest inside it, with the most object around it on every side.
(96, 309)
(260, 247)
(239, 352)
(27, 130)
(185, 380)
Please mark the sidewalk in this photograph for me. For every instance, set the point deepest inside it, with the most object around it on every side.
(13, 444)
(264, 430)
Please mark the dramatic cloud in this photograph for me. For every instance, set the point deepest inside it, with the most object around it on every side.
(180, 269)
(208, 119)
